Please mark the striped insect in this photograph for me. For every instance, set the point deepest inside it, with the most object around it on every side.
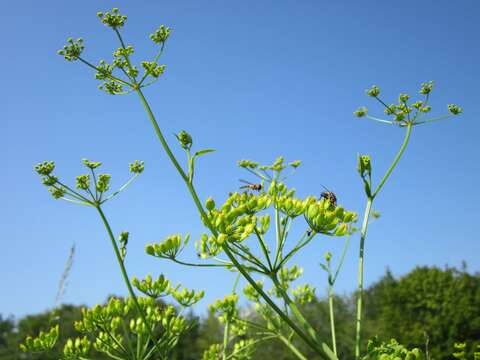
(250, 186)
(329, 196)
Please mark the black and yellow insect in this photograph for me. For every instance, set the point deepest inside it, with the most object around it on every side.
(250, 186)
(329, 196)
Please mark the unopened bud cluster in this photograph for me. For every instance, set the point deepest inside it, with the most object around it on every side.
(404, 113)
(101, 320)
(250, 292)
(187, 297)
(76, 348)
(364, 166)
(45, 341)
(324, 218)
(304, 294)
(235, 220)
(72, 50)
(169, 247)
(160, 36)
(112, 19)
(90, 183)
(214, 352)
(391, 351)
(185, 139)
(113, 84)
(153, 69)
(161, 287)
(137, 167)
(226, 308)
(153, 288)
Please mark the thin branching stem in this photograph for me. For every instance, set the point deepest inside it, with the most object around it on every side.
(363, 234)
(124, 272)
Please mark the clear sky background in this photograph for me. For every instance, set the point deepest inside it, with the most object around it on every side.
(252, 79)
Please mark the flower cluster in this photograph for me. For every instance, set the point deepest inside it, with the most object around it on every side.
(185, 139)
(160, 287)
(153, 69)
(154, 289)
(113, 19)
(324, 218)
(116, 325)
(72, 50)
(187, 297)
(94, 186)
(404, 113)
(113, 84)
(76, 348)
(391, 351)
(226, 308)
(168, 248)
(45, 341)
(304, 294)
(235, 220)
(250, 292)
(160, 36)
(214, 352)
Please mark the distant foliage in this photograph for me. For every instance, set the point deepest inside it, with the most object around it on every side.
(442, 306)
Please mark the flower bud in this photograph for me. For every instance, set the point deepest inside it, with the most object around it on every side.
(91, 164)
(221, 238)
(83, 182)
(361, 112)
(454, 109)
(390, 110)
(150, 250)
(426, 88)
(341, 230)
(137, 167)
(374, 91)
(45, 168)
(185, 139)
(403, 98)
(328, 256)
(210, 204)
(364, 166)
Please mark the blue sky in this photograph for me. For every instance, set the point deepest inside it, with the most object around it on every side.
(252, 79)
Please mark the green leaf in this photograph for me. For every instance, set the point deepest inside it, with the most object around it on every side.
(203, 152)
(324, 267)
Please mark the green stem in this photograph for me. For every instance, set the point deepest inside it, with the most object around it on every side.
(324, 351)
(125, 275)
(363, 235)
(278, 234)
(292, 348)
(225, 340)
(332, 318)
(380, 120)
(161, 137)
(235, 353)
(248, 256)
(366, 216)
(342, 258)
(110, 76)
(433, 120)
(264, 248)
(123, 187)
(297, 247)
(395, 161)
(295, 310)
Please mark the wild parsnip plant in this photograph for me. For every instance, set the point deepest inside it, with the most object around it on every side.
(248, 233)
(405, 114)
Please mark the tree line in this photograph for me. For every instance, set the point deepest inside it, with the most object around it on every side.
(429, 308)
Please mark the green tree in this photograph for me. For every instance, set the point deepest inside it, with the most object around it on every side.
(442, 306)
